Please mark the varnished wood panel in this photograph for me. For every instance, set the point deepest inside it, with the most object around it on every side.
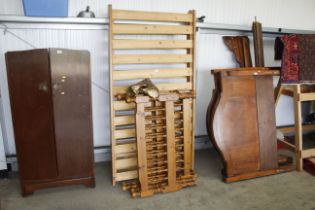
(51, 108)
(240, 140)
(266, 123)
(32, 113)
(241, 122)
(71, 83)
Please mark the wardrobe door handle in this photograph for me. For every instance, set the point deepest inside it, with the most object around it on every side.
(43, 87)
(56, 86)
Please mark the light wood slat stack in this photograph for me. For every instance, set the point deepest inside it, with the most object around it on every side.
(164, 144)
(131, 34)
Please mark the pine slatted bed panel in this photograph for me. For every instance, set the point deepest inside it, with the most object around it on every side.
(134, 37)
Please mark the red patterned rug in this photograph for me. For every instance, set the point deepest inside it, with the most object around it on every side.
(298, 59)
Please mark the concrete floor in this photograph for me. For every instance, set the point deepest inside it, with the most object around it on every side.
(288, 191)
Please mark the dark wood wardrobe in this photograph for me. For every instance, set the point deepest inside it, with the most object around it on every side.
(50, 93)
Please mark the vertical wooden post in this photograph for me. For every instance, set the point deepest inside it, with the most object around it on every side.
(111, 97)
(187, 119)
(278, 91)
(141, 147)
(298, 128)
(258, 44)
(192, 79)
(171, 152)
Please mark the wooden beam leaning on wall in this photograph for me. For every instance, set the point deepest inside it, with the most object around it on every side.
(258, 44)
(239, 45)
(130, 31)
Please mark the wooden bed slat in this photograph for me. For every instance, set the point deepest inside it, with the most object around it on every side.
(125, 133)
(128, 163)
(151, 16)
(124, 120)
(122, 105)
(151, 29)
(151, 59)
(121, 176)
(153, 73)
(161, 87)
(126, 148)
(151, 44)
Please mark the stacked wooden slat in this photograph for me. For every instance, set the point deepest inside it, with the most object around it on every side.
(164, 139)
(154, 45)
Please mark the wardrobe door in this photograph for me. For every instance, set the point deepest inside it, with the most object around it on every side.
(31, 105)
(70, 70)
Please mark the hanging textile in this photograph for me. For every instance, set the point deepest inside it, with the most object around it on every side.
(306, 48)
(298, 60)
(278, 48)
(290, 69)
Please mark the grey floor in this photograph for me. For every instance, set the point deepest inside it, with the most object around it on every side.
(292, 190)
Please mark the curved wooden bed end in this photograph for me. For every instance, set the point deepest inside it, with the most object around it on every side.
(241, 122)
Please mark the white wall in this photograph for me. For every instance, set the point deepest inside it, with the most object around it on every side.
(274, 13)
(211, 52)
(3, 163)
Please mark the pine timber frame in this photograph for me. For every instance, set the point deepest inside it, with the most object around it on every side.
(125, 22)
(164, 139)
(299, 93)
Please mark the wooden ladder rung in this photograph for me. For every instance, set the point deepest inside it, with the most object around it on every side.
(291, 128)
(308, 153)
(287, 145)
(306, 97)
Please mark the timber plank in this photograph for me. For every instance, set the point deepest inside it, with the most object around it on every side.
(151, 16)
(151, 29)
(151, 44)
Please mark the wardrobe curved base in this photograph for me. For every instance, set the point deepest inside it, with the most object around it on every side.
(257, 174)
(29, 187)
